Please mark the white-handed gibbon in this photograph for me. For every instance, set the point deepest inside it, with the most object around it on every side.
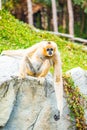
(37, 61)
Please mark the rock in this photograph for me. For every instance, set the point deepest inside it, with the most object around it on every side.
(26, 104)
(79, 77)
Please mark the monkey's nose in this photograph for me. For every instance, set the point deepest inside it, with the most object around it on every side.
(50, 53)
(57, 116)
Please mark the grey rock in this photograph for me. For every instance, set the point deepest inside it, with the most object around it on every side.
(79, 77)
(26, 104)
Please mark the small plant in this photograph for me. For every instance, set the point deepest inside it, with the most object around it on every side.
(76, 103)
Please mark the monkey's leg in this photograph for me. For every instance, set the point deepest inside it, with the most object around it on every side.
(44, 68)
(26, 67)
(43, 71)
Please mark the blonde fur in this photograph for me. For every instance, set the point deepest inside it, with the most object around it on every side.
(37, 61)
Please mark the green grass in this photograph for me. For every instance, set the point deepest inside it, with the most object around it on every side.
(15, 34)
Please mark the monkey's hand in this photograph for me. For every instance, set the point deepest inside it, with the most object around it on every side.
(41, 80)
(21, 75)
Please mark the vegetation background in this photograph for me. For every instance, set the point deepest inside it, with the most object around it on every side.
(15, 34)
(65, 16)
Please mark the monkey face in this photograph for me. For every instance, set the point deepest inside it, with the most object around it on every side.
(49, 48)
(49, 51)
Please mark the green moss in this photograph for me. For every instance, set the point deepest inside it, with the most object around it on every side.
(75, 101)
(15, 34)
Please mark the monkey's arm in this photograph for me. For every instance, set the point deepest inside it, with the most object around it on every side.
(32, 49)
(58, 83)
(21, 52)
(26, 66)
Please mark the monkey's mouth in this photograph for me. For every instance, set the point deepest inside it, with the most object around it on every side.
(50, 54)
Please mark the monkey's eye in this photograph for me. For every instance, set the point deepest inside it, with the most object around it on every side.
(48, 49)
(51, 49)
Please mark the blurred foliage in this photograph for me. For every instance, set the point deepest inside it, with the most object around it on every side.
(82, 3)
(78, 32)
(79, 2)
(9, 4)
(82, 7)
(45, 2)
(15, 34)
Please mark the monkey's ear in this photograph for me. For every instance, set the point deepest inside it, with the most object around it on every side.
(56, 50)
(57, 46)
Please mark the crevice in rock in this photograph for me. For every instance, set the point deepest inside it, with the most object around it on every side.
(6, 87)
(13, 103)
(33, 124)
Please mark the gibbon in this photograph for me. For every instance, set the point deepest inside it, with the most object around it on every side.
(37, 61)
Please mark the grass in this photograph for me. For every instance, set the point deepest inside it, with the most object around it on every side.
(15, 34)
